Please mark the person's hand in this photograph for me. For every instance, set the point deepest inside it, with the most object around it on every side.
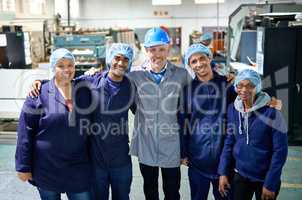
(267, 195)
(275, 103)
(24, 176)
(35, 89)
(184, 161)
(230, 77)
(224, 185)
(92, 71)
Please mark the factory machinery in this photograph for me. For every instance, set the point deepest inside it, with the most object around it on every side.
(19, 48)
(89, 50)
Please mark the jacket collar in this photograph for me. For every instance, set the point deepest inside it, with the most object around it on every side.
(215, 77)
(169, 70)
(54, 91)
(104, 83)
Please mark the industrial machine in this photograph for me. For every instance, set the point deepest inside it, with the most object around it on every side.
(245, 20)
(16, 73)
(14, 48)
(89, 50)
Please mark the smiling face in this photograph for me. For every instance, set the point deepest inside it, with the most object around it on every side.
(119, 66)
(64, 70)
(201, 65)
(158, 56)
(246, 90)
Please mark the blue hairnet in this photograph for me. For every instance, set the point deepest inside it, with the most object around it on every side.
(197, 48)
(250, 75)
(58, 54)
(206, 36)
(119, 48)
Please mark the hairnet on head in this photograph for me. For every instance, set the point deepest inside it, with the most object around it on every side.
(122, 49)
(206, 36)
(58, 54)
(250, 75)
(197, 48)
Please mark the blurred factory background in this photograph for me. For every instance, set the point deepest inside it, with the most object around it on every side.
(265, 35)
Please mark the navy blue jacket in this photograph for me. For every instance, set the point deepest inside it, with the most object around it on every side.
(202, 120)
(262, 158)
(49, 147)
(109, 141)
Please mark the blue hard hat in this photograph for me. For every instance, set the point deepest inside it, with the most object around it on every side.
(206, 36)
(122, 49)
(197, 48)
(57, 55)
(155, 37)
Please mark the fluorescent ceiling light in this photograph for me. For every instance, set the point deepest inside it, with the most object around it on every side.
(166, 2)
(208, 1)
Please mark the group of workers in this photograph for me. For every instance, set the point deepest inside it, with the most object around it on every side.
(73, 133)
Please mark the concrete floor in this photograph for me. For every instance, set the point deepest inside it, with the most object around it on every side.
(13, 189)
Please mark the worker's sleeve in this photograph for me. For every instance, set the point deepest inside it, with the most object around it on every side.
(27, 129)
(133, 98)
(88, 78)
(226, 157)
(183, 117)
(231, 94)
(280, 149)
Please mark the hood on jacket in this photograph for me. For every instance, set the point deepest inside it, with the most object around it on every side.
(261, 100)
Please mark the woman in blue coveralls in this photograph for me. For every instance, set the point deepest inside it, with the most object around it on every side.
(201, 120)
(257, 140)
(42, 155)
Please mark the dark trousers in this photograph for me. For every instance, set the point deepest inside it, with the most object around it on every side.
(50, 195)
(171, 182)
(243, 188)
(200, 186)
(119, 179)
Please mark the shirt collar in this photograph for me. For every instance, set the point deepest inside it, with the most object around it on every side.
(148, 67)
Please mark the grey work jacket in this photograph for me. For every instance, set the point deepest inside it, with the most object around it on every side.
(155, 139)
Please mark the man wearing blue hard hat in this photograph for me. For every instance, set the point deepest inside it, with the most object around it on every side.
(156, 140)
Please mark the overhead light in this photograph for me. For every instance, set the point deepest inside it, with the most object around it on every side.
(208, 1)
(165, 2)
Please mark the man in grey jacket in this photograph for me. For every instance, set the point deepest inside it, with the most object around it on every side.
(155, 139)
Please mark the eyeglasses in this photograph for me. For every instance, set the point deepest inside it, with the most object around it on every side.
(248, 86)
